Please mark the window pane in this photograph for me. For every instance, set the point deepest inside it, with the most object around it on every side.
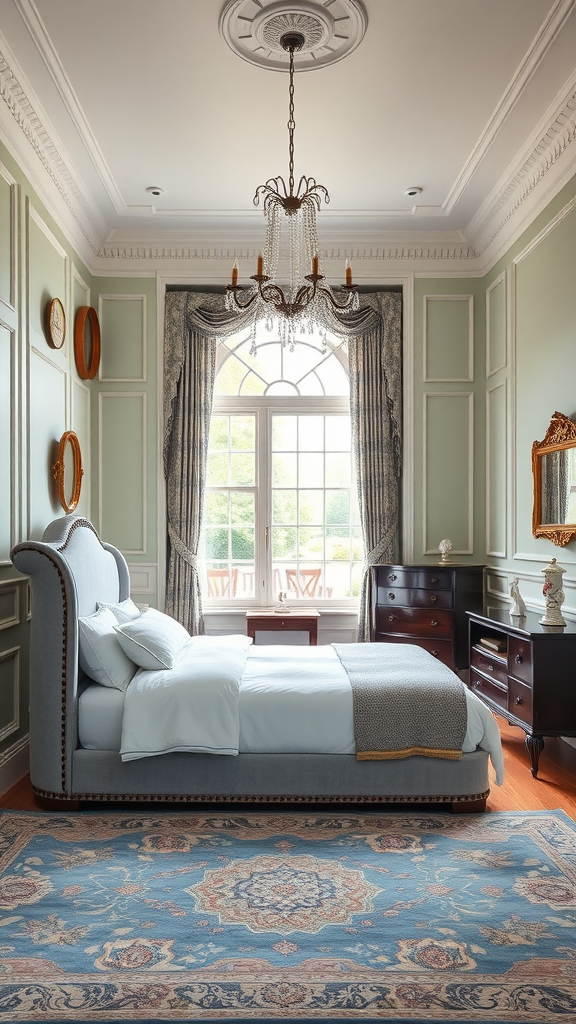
(284, 471)
(242, 469)
(242, 543)
(217, 472)
(337, 433)
(284, 507)
(252, 385)
(284, 433)
(242, 433)
(283, 542)
(310, 469)
(310, 542)
(219, 432)
(311, 506)
(216, 543)
(242, 509)
(338, 469)
(216, 508)
(311, 433)
(337, 507)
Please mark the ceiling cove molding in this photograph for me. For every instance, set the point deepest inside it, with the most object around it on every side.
(501, 218)
(27, 119)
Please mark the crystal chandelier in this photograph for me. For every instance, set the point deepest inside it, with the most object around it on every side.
(308, 297)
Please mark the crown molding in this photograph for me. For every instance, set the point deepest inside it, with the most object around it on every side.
(527, 187)
(36, 148)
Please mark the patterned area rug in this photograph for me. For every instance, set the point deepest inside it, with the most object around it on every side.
(181, 916)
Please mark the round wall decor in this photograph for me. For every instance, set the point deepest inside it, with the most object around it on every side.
(87, 370)
(67, 471)
(55, 324)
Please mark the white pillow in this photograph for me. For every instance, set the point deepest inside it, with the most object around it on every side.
(101, 656)
(153, 640)
(125, 611)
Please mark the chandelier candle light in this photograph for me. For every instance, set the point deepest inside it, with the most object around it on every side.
(302, 302)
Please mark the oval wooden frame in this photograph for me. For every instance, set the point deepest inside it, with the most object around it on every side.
(55, 304)
(87, 313)
(69, 437)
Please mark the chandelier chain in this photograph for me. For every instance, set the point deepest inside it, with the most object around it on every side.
(291, 124)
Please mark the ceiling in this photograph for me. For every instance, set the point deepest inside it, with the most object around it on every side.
(474, 101)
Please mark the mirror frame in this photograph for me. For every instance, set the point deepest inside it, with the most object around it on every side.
(87, 372)
(69, 437)
(561, 434)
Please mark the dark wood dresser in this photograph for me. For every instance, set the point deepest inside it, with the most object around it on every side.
(526, 673)
(426, 605)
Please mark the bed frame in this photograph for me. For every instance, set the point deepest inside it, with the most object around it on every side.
(70, 570)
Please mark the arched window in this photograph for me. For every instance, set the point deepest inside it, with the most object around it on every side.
(281, 511)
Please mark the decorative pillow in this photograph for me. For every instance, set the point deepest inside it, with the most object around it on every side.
(153, 640)
(101, 656)
(125, 611)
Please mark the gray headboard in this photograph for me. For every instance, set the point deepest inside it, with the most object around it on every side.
(70, 570)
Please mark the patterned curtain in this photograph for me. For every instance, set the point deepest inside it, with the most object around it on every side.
(375, 361)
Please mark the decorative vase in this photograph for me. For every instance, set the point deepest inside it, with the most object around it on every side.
(518, 609)
(553, 594)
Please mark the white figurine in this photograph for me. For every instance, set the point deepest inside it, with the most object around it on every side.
(518, 609)
(282, 607)
(445, 547)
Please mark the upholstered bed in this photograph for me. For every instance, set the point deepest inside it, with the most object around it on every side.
(71, 572)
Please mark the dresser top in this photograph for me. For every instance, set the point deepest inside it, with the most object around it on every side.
(526, 626)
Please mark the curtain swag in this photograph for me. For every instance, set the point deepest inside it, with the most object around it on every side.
(195, 322)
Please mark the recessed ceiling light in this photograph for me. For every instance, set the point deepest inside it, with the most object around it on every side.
(155, 190)
(414, 190)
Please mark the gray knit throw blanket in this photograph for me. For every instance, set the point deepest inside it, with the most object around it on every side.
(405, 702)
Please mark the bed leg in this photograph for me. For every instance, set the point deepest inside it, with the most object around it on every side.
(468, 806)
(49, 803)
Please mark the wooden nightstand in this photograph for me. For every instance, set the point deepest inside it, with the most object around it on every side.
(304, 622)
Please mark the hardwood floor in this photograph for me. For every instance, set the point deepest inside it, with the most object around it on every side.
(554, 788)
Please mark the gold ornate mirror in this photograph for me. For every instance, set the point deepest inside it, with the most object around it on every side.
(67, 471)
(554, 471)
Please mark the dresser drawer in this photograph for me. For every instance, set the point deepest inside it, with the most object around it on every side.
(488, 688)
(415, 579)
(415, 598)
(520, 700)
(520, 659)
(441, 649)
(416, 622)
(489, 666)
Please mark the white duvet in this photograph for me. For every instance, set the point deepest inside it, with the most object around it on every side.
(225, 696)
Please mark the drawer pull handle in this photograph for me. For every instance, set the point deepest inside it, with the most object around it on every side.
(391, 618)
(433, 622)
(490, 668)
(392, 577)
(518, 659)
(434, 579)
(435, 653)
(519, 700)
(391, 597)
(433, 598)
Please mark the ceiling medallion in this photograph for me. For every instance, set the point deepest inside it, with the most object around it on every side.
(255, 31)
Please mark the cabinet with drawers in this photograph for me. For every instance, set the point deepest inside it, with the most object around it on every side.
(526, 673)
(426, 605)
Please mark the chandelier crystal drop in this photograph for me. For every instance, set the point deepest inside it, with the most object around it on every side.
(304, 304)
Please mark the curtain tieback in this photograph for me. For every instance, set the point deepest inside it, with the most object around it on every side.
(373, 557)
(181, 549)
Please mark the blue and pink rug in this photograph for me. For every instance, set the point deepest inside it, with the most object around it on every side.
(179, 916)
